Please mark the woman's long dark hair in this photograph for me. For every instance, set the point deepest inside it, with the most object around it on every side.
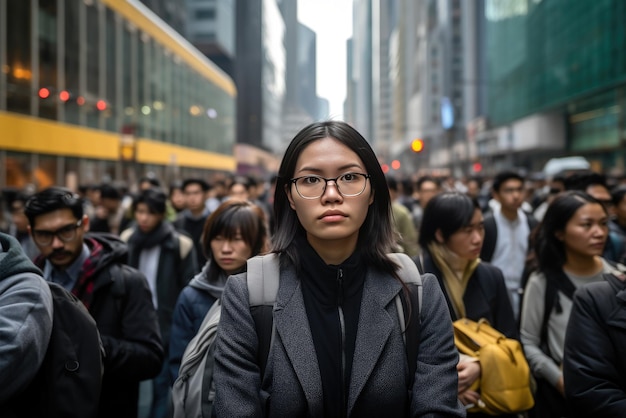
(549, 250)
(447, 212)
(376, 237)
(229, 218)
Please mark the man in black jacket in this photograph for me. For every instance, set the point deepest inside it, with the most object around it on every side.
(91, 266)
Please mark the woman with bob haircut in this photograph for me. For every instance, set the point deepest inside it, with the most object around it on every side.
(234, 232)
(338, 346)
(451, 238)
(569, 245)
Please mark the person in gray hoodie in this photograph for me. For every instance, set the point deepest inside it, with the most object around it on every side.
(234, 232)
(25, 320)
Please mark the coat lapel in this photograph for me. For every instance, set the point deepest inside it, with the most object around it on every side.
(375, 327)
(293, 328)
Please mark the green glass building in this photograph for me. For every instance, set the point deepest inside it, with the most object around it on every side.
(565, 56)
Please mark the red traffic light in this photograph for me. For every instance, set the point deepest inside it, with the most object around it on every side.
(101, 105)
(64, 96)
(417, 145)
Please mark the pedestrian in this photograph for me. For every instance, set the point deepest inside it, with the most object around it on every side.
(25, 321)
(167, 258)
(595, 184)
(507, 233)
(192, 219)
(451, 238)
(594, 366)
(92, 267)
(233, 233)
(402, 221)
(19, 225)
(338, 346)
(569, 244)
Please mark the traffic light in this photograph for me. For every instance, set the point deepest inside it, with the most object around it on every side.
(417, 145)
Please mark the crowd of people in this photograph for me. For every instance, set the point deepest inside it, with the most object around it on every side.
(540, 259)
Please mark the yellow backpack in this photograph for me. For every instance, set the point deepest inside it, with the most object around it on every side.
(505, 382)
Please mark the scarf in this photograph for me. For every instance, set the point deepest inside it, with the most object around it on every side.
(140, 240)
(456, 273)
(83, 289)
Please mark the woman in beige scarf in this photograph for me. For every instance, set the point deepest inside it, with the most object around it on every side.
(451, 237)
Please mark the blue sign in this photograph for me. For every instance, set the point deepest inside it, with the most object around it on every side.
(447, 113)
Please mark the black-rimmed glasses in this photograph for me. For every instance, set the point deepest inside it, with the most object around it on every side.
(348, 184)
(65, 234)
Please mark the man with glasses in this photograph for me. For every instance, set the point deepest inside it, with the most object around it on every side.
(91, 266)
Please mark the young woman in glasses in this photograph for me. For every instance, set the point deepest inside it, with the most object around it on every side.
(338, 346)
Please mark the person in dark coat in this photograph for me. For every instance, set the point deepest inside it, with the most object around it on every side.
(233, 233)
(191, 220)
(92, 267)
(451, 239)
(26, 323)
(594, 364)
(338, 348)
(168, 260)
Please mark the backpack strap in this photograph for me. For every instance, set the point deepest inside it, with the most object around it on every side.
(185, 244)
(491, 236)
(263, 278)
(410, 275)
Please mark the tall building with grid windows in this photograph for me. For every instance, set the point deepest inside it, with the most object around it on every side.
(557, 82)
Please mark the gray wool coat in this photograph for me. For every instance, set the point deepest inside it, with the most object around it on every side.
(292, 384)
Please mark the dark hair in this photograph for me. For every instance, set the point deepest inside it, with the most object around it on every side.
(581, 180)
(617, 194)
(107, 191)
(153, 198)
(407, 187)
(549, 249)
(503, 176)
(203, 184)
(243, 180)
(376, 236)
(447, 212)
(175, 185)
(424, 179)
(153, 181)
(51, 199)
(230, 217)
(392, 183)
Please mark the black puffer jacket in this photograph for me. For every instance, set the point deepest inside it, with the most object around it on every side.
(594, 366)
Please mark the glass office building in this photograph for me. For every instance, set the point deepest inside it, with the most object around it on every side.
(94, 88)
(561, 55)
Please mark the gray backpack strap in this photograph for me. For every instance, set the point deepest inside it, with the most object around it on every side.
(263, 277)
(411, 276)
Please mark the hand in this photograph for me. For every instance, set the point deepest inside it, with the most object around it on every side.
(468, 373)
(560, 386)
(470, 397)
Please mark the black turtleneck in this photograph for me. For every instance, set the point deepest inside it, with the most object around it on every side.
(332, 294)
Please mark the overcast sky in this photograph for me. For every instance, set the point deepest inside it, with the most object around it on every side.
(332, 22)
